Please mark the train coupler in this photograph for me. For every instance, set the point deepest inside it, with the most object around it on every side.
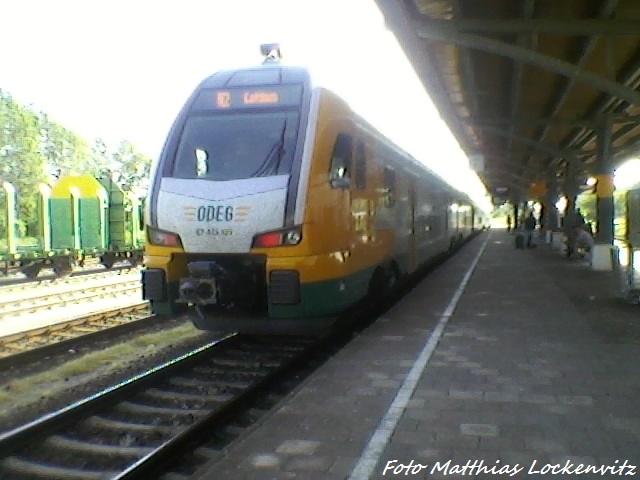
(203, 285)
(210, 283)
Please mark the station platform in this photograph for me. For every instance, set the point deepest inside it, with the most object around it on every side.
(501, 363)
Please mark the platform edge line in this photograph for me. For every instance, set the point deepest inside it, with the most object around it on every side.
(371, 455)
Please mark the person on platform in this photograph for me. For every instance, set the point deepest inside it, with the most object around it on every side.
(529, 227)
(571, 223)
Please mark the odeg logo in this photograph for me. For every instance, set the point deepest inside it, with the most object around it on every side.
(220, 213)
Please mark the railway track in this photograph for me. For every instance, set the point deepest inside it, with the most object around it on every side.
(79, 276)
(30, 301)
(131, 430)
(44, 341)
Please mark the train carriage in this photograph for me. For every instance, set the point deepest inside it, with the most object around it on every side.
(273, 205)
(79, 217)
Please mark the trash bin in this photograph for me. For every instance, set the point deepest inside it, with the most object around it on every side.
(603, 257)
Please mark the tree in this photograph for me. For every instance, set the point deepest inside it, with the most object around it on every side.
(32, 145)
(22, 163)
(100, 157)
(133, 166)
(65, 152)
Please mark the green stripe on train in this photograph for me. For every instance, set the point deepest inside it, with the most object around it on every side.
(326, 297)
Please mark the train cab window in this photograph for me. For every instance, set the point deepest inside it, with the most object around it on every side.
(360, 173)
(389, 186)
(236, 146)
(340, 173)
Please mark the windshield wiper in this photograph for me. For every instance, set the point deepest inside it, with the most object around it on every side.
(266, 166)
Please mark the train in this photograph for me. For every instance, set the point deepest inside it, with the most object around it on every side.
(273, 207)
(78, 217)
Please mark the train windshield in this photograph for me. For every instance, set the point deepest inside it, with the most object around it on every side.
(237, 145)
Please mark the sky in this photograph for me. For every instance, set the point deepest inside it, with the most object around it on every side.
(122, 69)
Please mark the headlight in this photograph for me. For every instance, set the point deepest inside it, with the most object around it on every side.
(278, 238)
(163, 238)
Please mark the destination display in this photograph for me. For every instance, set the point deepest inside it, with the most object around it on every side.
(249, 97)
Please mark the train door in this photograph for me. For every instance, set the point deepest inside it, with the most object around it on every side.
(340, 180)
(413, 257)
(360, 206)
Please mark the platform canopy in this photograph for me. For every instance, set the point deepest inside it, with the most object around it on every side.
(528, 85)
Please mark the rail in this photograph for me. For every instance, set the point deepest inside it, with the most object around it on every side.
(130, 429)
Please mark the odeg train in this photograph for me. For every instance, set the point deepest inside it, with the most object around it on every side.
(273, 206)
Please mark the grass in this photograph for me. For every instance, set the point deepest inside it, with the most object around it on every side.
(26, 390)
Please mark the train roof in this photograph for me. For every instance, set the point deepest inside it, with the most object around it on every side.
(266, 74)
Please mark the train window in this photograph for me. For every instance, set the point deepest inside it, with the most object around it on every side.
(340, 173)
(389, 187)
(361, 167)
(236, 146)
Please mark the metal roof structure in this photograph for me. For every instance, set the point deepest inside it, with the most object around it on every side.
(530, 85)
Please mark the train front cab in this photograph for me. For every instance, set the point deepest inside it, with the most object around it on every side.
(331, 264)
(206, 205)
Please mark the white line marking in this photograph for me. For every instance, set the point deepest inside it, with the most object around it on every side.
(369, 459)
